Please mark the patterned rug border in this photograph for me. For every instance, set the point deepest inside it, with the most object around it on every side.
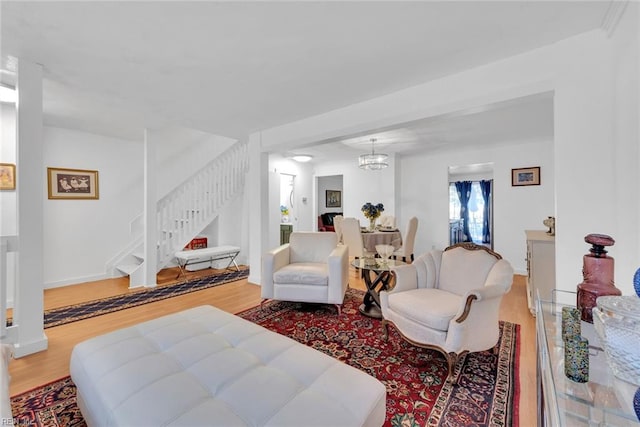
(48, 405)
(73, 313)
(31, 390)
(508, 403)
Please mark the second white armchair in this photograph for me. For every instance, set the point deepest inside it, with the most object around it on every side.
(312, 267)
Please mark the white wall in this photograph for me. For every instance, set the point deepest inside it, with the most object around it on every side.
(423, 192)
(592, 140)
(230, 230)
(8, 206)
(82, 235)
(181, 152)
(8, 199)
(626, 128)
(301, 216)
(360, 186)
(424, 180)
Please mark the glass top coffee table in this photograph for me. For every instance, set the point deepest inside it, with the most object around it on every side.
(377, 277)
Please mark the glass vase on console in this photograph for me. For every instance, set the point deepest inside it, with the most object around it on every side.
(372, 224)
(597, 271)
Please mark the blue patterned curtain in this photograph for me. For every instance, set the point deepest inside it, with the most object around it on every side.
(464, 192)
(485, 188)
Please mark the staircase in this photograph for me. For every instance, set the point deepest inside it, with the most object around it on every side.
(186, 211)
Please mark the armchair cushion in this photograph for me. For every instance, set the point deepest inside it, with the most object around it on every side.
(432, 308)
(303, 273)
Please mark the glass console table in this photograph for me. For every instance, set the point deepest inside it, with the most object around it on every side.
(603, 401)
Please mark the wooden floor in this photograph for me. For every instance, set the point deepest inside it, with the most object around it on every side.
(37, 369)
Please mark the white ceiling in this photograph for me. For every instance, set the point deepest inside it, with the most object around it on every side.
(233, 68)
(519, 120)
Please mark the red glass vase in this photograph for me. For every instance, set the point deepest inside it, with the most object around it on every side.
(597, 272)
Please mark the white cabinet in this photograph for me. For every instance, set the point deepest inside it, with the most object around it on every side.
(541, 266)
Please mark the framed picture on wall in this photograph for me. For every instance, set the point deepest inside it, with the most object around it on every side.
(525, 176)
(72, 183)
(7, 176)
(333, 199)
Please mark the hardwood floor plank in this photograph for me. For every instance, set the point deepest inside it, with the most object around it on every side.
(37, 369)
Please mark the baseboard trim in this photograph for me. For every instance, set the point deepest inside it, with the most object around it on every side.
(254, 279)
(76, 280)
(25, 349)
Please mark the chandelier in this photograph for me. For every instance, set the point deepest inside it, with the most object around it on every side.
(374, 161)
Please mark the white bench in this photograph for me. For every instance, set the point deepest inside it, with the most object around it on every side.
(204, 366)
(198, 256)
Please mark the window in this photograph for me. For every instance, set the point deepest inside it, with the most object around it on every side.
(477, 212)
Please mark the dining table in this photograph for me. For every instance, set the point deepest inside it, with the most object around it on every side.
(379, 236)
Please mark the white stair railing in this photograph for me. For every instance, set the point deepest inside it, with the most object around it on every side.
(185, 212)
(194, 204)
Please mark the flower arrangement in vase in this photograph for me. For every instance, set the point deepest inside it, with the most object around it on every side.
(284, 211)
(372, 212)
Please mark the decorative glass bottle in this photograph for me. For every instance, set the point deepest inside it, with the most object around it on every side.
(597, 271)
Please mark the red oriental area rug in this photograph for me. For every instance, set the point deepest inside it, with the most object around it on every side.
(483, 390)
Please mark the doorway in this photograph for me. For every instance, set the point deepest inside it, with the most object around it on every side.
(329, 198)
(471, 204)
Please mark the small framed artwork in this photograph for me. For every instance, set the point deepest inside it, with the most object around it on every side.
(525, 176)
(72, 183)
(334, 199)
(7, 176)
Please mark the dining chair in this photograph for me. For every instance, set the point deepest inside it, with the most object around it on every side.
(352, 237)
(337, 225)
(406, 250)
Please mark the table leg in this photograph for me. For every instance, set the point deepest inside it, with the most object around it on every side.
(371, 302)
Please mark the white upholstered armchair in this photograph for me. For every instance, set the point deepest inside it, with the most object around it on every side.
(312, 267)
(449, 300)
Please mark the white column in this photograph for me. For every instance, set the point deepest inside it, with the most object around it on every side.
(29, 298)
(258, 198)
(150, 212)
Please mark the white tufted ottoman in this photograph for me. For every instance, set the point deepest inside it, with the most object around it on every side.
(204, 366)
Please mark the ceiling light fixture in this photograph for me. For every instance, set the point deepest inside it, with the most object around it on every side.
(302, 158)
(374, 161)
(8, 94)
